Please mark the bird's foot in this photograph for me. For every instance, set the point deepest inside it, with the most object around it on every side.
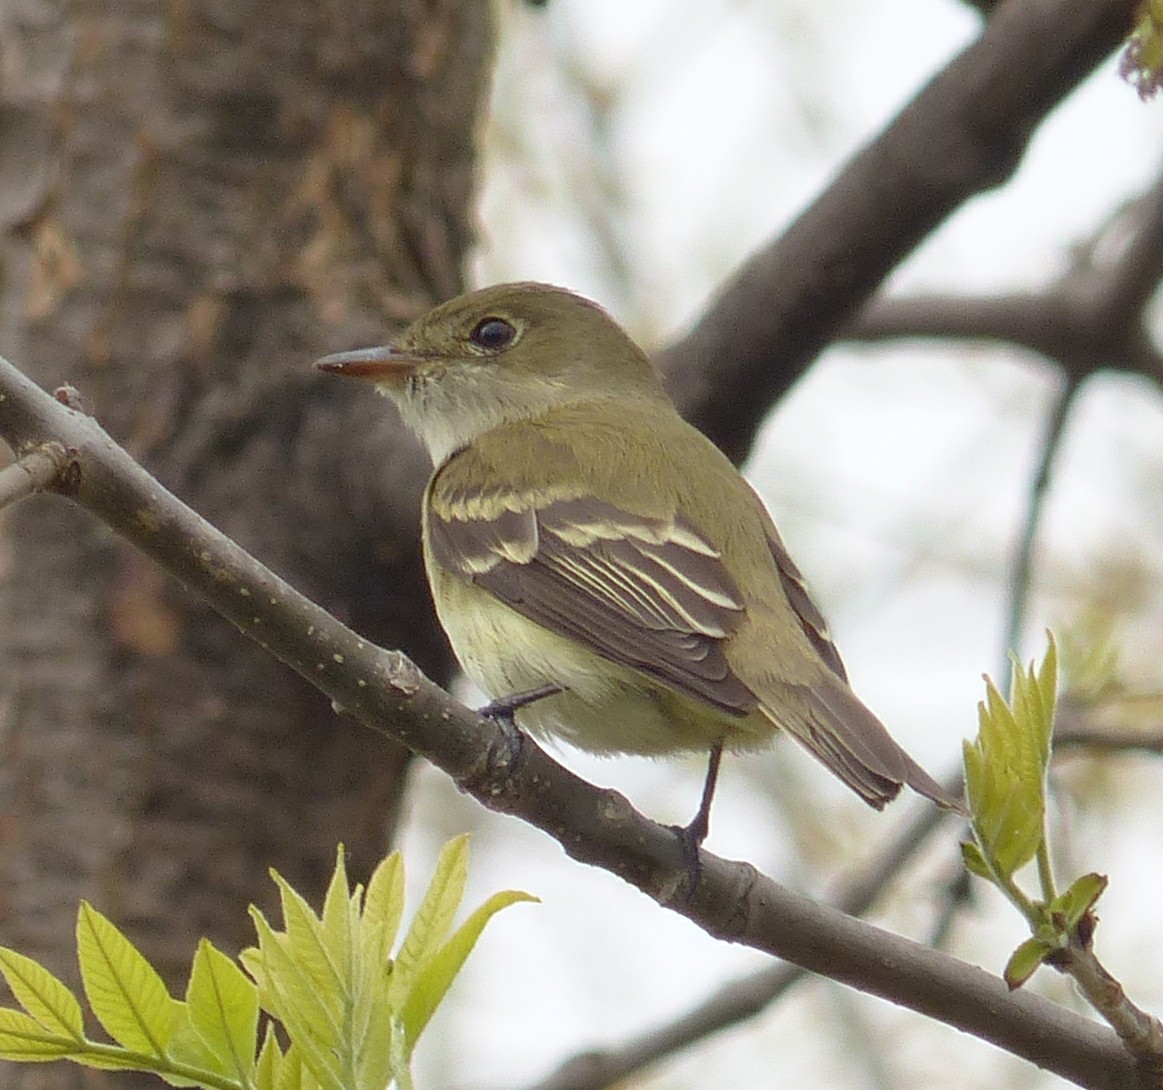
(506, 752)
(691, 837)
(503, 710)
(690, 840)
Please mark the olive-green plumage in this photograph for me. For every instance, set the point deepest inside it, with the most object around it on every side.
(578, 532)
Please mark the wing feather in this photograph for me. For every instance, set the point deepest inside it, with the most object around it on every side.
(808, 613)
(650, 593)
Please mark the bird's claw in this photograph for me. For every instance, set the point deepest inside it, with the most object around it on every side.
(503, 710)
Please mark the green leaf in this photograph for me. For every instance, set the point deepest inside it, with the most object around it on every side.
(288, 981)
(340, 928)
(977, 783)
(336, 918)
(124, 990)
(438, 972)
(1078, 900)
(433, 918)
(187, 1049)
(223, 1010)
(383, 909)
(291, 1071)
(24, 1039)
(1025, 960)
(118, 1061)
(974, 861)
(43, 995)
(270, 1059)
(294, 1074)
(377, 928)
(308, 947)
(1047, 681)
(371, 1047)
(401, 1066)
(313, 1021)
(1005, 766)
(328, 978)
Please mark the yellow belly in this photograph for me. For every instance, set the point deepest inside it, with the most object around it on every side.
(607, 708)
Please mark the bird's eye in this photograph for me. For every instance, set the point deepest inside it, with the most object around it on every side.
(492, 334)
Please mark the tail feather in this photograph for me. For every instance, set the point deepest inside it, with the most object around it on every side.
(843, 734)
(924, 784)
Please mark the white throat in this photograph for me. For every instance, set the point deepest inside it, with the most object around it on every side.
(449, 410)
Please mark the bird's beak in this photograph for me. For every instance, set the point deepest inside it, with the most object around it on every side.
(375, 364)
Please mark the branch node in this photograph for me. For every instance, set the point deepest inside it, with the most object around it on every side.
(1140, 1032)
(45, 467)
(71, 398)
(399, 673)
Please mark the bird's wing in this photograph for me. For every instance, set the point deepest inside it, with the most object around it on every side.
(649, 593)
(795, 587)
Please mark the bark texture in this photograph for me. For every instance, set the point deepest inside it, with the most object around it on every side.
(197, 198)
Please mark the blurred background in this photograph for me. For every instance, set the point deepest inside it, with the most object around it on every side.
(197, 199)
(638, 153)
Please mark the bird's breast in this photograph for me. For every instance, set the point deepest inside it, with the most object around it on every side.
(607, 707)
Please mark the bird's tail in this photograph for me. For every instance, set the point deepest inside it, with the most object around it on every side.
(842, 733)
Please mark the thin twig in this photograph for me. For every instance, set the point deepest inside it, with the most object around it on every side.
(1107, 740)
(37, 470)
(1123, 293)
(1023, 558)
(1055, 323)
(1075, 729)
(1141, 1032)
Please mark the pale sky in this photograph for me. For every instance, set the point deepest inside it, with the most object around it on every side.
(637, 153)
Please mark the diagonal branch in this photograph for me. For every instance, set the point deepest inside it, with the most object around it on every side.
(747, 996)
(510, 774)
(1060, 325)
(964, 133)
(1093, 318)
(1122, 294)
(1141, 1032)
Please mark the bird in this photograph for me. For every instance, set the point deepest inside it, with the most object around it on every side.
(603, 572)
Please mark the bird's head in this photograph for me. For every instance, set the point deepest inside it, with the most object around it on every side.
(504, 353)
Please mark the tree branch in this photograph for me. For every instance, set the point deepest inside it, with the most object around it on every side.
(746, 997)
(965, 132)
(1141, 1032)
(508, 773)
(1122, 294)
(1075, 729)
(37, 470)
(1023, 555)
(1093, 318)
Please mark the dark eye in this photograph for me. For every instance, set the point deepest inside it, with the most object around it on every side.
(492, 334)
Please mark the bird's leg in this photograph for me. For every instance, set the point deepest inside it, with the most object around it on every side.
(692, 835)
(696, 831)
(503, 710)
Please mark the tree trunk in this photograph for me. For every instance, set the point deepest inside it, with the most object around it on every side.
(195, 200)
